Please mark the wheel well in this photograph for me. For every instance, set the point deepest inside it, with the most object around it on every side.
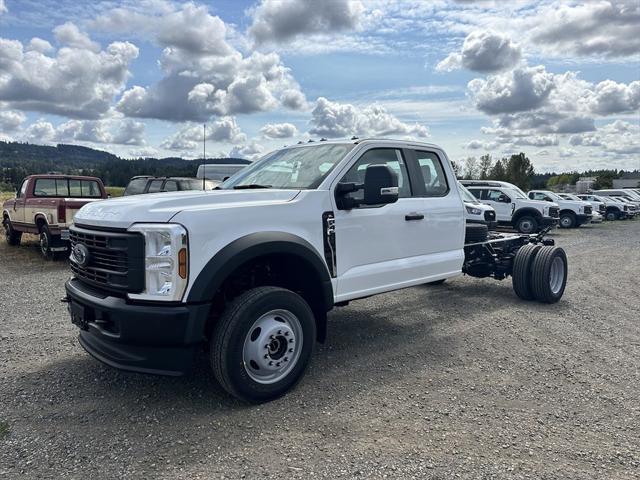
(283, 270)
(612, 208)
(40, 221)
(566, 211)
(530, 212)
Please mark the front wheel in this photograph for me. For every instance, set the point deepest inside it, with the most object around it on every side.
(527, 225)
(12, 237)
(262, 343)
(46, 240)
(568, 220)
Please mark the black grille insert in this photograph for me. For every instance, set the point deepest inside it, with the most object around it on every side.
(115, 261)
(554, 212)
(588, 210)
(489, 216)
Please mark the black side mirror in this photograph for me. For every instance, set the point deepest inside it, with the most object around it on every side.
(380, 185)
(503, 198)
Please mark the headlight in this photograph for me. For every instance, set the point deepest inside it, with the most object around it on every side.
(473, 211)
(545, 211)
(166, 261)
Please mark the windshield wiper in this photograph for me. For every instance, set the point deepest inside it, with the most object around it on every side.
(250, 185)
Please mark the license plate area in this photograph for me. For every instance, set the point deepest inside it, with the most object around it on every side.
(79, 315)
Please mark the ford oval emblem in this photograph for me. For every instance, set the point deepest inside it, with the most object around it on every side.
(80, 255)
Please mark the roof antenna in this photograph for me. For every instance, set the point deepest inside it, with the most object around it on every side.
(204, 154)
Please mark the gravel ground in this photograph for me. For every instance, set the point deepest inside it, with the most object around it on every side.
(462, 380)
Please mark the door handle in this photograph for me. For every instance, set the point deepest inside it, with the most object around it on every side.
(413, 216)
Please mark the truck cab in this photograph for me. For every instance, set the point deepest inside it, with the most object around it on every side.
(573, 213)
(512, 206)
(249, 271)
(45, 205)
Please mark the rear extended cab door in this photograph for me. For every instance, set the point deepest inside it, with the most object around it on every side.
(417, 239)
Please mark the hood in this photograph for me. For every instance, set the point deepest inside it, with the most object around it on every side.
(574, 203)
(162, 207)
(540, 203)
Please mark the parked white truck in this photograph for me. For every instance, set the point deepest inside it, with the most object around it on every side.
(250, 271)
(573, 213)
(512, 206)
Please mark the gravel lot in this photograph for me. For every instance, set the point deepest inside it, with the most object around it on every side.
(462, 380)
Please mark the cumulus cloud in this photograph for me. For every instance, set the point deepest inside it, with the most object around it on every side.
(521, 89)
(538, 141)
(618, 137)
(333, 119)
(3, 7)
(279, 20)
(189, 138)
(203, 74)
(251, 151)
(76, 81)
(610, 97)
(69, 34)
(279, 130)
(11, 120)
(607, 28)
(39, 45)
(483, 51)
(40, 132)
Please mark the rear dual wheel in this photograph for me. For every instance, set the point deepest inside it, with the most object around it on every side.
(540, 273)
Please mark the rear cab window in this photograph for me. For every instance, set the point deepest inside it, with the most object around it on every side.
(136, 186)
(155, 186)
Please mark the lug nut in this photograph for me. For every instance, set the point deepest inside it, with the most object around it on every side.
(278, 364)
(271, 337)
(286, 334)
(291, 350)
(266, 355)
(270, 363)
(279, 332)
(267, 346)
(291, 340)
(286, 359)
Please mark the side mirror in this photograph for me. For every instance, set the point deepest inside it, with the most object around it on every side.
(503, 198)
(380, 185)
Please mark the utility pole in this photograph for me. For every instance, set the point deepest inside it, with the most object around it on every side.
(204, 154)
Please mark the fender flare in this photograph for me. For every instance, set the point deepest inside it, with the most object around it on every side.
(526, 211)
(255, 245)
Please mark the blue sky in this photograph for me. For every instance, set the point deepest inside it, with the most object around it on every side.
(559, 80)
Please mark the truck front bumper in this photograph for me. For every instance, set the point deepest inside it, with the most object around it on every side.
(581, 219)
(139, 337)
(549, 221)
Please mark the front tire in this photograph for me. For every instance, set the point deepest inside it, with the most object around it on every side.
(568, 220)
(262, 343)
(13, 238)
(527, 225)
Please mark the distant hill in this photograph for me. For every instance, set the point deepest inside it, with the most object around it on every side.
(18, 160)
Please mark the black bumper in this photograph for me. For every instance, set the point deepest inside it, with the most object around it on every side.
(147, 338)
(582, 219)
(549, 221)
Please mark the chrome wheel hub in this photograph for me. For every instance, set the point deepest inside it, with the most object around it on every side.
(272, 346)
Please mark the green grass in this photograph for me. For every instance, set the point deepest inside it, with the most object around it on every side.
(4, 429)
(115, 191)
(6, 196)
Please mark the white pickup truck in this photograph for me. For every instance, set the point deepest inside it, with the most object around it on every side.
(250, 270)
(512, 206)
(573, 213)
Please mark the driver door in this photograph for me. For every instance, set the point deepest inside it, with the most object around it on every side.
(501, 202)
(380, 247)
(17, 214)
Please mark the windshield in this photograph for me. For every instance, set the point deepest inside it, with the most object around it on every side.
(569, 196)
(296, 168)
(466, 195)
(516, 193)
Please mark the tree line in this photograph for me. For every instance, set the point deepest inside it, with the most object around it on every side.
(18, 160)
(518, 169)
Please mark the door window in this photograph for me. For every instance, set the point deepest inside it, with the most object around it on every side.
(155, 186)
(494, 196)
(136, 186)
(390, 157)
(23, 189)
(478, 193)
(171, 186)
(435, 180)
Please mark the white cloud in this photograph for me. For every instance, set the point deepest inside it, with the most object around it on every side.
(203, 74)
(3, 7)
(483, 51)
(40, 132)
(280, 20)
(538, 141)
(68, 34)
(11, 120)
(39, 45)
(606, 28)
(189, 138)
(610, 97)
(251, 151)
(76, 82)
(279, 130)
(519, 90)
(333, 119)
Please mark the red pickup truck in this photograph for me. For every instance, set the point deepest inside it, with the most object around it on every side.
(45, 206)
